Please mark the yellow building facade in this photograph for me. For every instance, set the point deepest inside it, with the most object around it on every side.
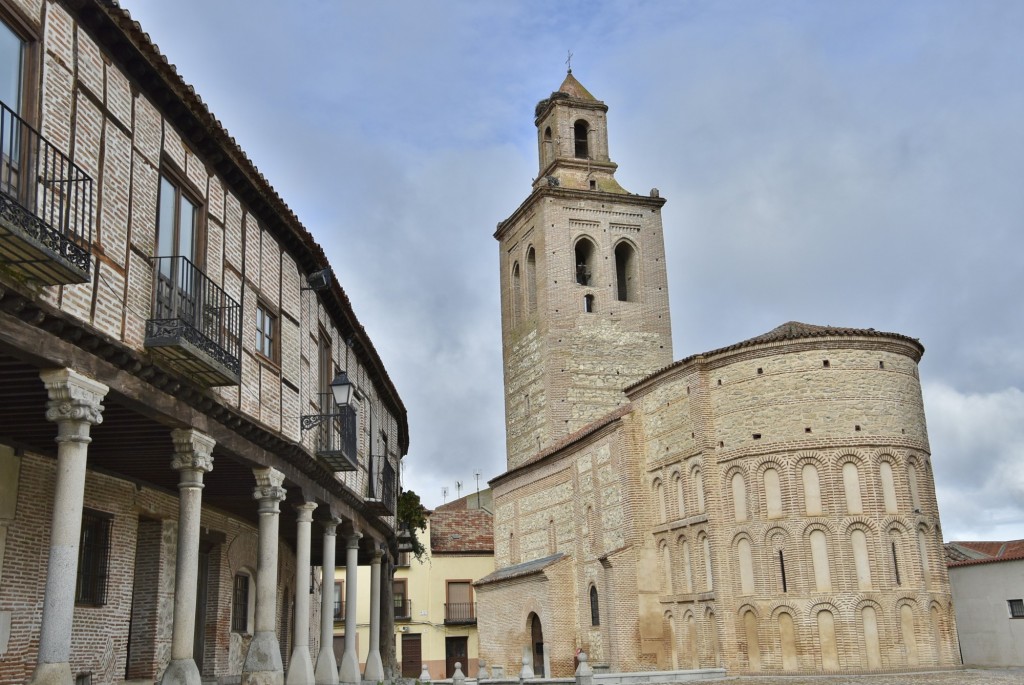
(435, 607)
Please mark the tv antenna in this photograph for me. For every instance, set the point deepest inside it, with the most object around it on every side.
(458, 488)
(444, 493)
(476, 475)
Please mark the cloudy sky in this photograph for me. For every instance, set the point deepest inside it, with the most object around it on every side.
(846, 163)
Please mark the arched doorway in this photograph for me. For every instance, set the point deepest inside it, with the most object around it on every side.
(537, 642)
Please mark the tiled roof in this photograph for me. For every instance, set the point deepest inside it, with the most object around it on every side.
(461, 531)
(519, 570)
(970, 553)
(573, 88)
(791, 330)
(588, 429)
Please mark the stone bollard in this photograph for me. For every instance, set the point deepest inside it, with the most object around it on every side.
(425, 675)
(458, 678)
(482, 673)
(584, 674)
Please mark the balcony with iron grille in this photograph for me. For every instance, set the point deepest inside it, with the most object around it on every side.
(459, 613)
(382, 487)
(337, 433)
(46, 206)
(403, 609)
(339, 611)
(196, 327)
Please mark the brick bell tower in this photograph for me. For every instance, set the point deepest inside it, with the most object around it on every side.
(584, 293)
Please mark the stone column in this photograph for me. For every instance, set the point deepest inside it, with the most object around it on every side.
(191, 460)
(349, 671)
(326, 666)
(300, 666)
(263, 660)
(75, 405)
(374, 670)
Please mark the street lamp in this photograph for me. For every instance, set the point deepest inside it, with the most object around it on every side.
(342, 388)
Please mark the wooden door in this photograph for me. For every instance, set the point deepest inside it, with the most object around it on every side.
(412, 655)
(456, 649)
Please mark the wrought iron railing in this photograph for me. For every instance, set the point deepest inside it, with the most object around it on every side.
(339, 610)
(382, 482)
(460, 612)
(42, 192)
(403, 608)
(337, 433)
(187, 305)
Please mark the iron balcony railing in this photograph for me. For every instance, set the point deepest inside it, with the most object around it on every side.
(460, 612)
(46, 205)
(339, 611)
(337, 431)
(382, 484)
(403, 609)
(191, 311)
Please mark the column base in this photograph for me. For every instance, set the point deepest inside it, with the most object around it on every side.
(263, 661)
(374, 670)
(181, 672)
(326, 667)
(300, 667)
(349, 671)
(52, 674)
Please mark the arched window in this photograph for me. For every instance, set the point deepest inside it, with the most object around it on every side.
(680, 495)
(827, 640)
(687, 568)
(819, 560)
(787, 638)
(579, 134)
(516, 293)
(588, 304)
(746, 563)
(698, 482)
(851, 487)
(595, 610)
(739, 496)
(626, 272)
(709, 581)
(861, 561)
(753, 644)
(772, 493)
(907, 631)
(922, 546)
(666, 561)
(531, 281)
(869, 626)
(659, 497)
(888, 487)
(812, 490)
(584, 264)
(915, 497)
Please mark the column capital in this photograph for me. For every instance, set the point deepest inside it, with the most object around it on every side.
(331, 524)
(305, 511)
(377, 554)
(268, 489)
(352, 541)
(192, 450)
(73, 397)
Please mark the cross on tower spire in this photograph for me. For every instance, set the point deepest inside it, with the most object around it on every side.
(568, 62)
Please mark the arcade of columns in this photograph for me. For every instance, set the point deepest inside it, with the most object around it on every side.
(75, 405)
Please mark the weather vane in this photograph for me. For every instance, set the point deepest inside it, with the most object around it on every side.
(568, 62)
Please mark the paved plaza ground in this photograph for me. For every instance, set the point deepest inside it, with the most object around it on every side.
(965, 677)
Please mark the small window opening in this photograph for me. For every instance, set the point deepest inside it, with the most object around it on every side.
(593, 185)
(1016, 608)
(782, 570)
(895, 563)
(580, 130)
(824, 363)
(719, 381)
(595, 609)
(759, 371)
(721, 443)
(881, 365)
(757, 436)
(857, 427)
(588, 304)
(807, 430)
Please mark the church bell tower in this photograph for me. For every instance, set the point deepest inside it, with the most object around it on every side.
(584, 293)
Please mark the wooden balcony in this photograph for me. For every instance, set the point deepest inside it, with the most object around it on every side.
(46, 207)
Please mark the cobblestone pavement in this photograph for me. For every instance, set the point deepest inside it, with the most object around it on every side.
(965, 677)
